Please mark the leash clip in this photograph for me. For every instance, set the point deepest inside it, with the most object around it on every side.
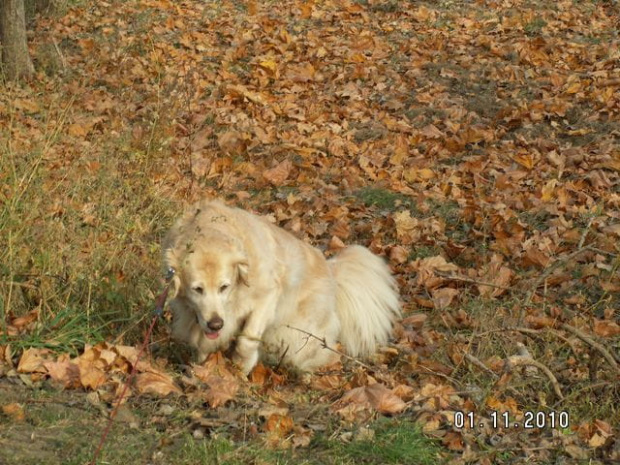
(161, 300)
(170, 274)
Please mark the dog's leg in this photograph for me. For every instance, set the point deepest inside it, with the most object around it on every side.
(185, 328)
(248, 342)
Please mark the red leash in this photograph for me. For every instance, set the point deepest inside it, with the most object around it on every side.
(159, 309)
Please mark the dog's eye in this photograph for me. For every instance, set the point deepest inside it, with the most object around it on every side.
(198, 289)
(223, 287)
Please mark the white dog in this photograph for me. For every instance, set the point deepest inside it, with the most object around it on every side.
(242, 279)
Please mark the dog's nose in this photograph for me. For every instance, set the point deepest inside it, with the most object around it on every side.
(215, 323)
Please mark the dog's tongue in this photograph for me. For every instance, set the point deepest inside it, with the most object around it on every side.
(212, 335)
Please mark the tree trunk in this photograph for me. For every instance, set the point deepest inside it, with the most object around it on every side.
(15, 56)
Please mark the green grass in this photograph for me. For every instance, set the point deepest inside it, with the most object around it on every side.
(384, 199)
(394, 442)
(391, 441)
(80, 247)
(62, 427)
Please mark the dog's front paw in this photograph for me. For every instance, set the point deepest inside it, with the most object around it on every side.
(245, 362)
(245, 355)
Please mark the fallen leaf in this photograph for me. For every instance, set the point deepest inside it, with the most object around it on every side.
(281, 425)
(64, 372)
(280, 173)
(605, 328)
(15, 412)
(33, 361)
(157, 383)
(442, 298)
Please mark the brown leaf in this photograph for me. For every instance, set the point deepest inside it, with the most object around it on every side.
(281, 425)
(534, 257)
(497, 274)
(443, 297)
(91, 376)
(336, 243)
(279, 174)
(399, 254)
(416, 320)
(539, 322)
(384, 400)
(32, 361)
(64, 372)
(509, 404)
(14, 411)
(327, 382)
(376, 396)
(232, 143)
(436, 263)
(606, 328)
(222, 384)
(408, 229)
(21, 322)
(156, 382)
(453, 440)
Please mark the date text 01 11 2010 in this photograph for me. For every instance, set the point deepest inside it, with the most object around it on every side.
(497, 420)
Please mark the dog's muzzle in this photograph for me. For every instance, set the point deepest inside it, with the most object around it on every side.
(214, 325)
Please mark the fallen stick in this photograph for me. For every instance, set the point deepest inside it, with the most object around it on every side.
(473, 281)
(479, 364)
(326, 346)
(520, 360)
(588, 340)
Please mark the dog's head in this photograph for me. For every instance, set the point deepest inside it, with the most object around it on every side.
(209, 270)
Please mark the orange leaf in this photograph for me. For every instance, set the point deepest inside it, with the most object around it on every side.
(399, 254)
(443, 297)
(606, 328)
(524, 159)
(538, 322)
(223, 386)
(64, 372)
(376, 396)
(416, 320)
(509, 404)
(279, 424)
(280, 173)
(220, 391)
(155, 382)
(496, 274)
(32, 361)
(408, 229)
(14, 411)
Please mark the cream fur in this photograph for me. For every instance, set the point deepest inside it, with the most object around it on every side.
(257, 279)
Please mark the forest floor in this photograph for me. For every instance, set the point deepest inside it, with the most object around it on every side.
(473, 144)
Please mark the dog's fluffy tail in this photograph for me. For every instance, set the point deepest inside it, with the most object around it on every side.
(367, 300)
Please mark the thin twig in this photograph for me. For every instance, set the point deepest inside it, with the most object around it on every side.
(326, 346)
(519, 360)
(588, 340)
(63, 62)
(473, 281)
(589, 387)
(603, 252)
(582, 239)
(480, 364)
(533, 333)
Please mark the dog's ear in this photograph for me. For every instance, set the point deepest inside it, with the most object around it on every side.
(242, 271)
(175, 285)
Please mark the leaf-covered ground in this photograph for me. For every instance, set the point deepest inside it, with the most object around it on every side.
(475, 145)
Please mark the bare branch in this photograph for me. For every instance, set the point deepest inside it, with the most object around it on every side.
(326, 346)
(591, 342)
(519, 360)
